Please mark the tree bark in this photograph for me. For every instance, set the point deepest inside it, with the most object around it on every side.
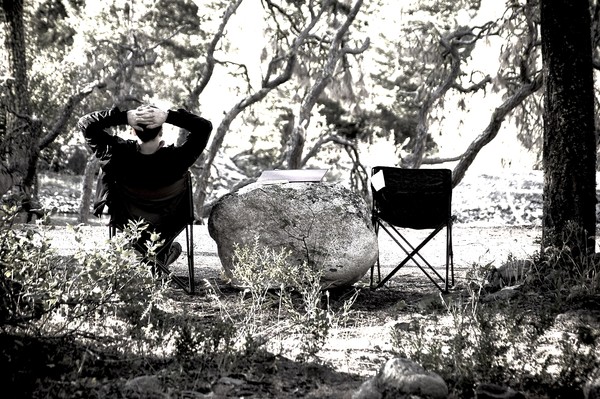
(17, 141)
(87, 186)
(569, 149)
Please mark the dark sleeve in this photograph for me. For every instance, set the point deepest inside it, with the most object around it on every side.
(199, 130)
(95, 128)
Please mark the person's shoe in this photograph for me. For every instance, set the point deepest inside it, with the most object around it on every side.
(174, 253)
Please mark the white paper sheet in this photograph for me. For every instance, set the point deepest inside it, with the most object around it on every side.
(378, 181)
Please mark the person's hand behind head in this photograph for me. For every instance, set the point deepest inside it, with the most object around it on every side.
(150, 116)
(132, 119)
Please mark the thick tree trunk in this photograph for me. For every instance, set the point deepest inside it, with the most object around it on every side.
(17, 141)
(569, 151)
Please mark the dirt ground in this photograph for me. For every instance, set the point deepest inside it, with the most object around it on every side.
(352, 354)
(471, 243)
(498, 218)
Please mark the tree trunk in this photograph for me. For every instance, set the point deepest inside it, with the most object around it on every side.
(89, 175)
(295, 145)
(569, 149)
(17, 141)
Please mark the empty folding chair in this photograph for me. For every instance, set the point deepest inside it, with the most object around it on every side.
(414, 199)
(168, 210)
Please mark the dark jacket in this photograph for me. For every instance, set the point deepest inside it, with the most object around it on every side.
(121, 160)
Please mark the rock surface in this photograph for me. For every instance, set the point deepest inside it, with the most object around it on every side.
(324, 226)
(493, 391)
(400, 378)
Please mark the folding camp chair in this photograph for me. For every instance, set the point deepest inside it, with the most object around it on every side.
(168, 210)
(418, 199)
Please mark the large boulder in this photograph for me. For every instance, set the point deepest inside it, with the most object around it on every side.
(322, 225)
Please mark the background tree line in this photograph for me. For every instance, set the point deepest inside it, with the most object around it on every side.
(321, 80)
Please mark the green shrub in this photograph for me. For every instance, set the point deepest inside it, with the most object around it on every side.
(280, 301)
(49, 293)
(516, 343)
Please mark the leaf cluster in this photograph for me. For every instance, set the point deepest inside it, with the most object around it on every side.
(53, 294)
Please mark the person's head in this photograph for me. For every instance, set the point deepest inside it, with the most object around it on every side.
(146, 134)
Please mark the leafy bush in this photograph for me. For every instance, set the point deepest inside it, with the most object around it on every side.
(100, 305)
(53, 294)
(280, 301)
(568, 272)
(518, 343)
(302, 306)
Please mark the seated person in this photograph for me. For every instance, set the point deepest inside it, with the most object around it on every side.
(145, 165)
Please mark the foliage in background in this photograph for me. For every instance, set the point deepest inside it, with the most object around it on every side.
(182, 54)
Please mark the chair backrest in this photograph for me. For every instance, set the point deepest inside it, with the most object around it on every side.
(168, 209)
(413, 198)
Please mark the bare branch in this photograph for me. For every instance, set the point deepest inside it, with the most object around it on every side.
(209, 67)
(473, 88)
(456, 45)
(437, 161)
(415, 159)
(321, 142)
(76, 98)
(357, 50)
(295, 144)
(491, 131)
(293, 52)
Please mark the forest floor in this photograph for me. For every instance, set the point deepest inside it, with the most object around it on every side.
(498, 218)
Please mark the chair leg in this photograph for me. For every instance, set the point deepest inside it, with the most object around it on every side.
(189, 288)
(162, 267)
(189, 236)
(372, 271)
(448, 255)
(412, 253)
(451, 252)
(376, 228)
(378, 273)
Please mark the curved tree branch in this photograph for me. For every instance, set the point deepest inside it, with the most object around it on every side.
(321, 142)
(491, 131)
(295, 144)
(451, 44)
(268, 84)
(209, 67)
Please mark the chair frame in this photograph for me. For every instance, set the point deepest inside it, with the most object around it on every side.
(443, 283)
(188, 287)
